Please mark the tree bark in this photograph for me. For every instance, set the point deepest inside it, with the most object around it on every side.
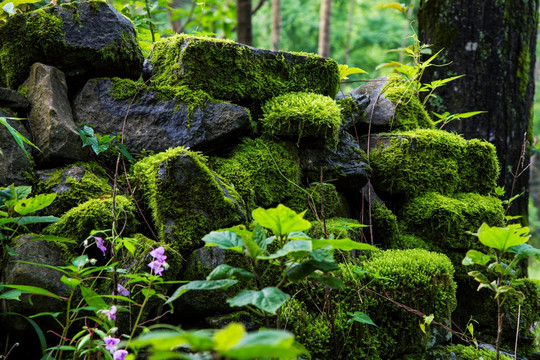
(493, 44)
(324, 28)
(243, 20)
(276, 24)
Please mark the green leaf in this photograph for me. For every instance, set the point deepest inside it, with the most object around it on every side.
(70, 282)
(303, 246)
(11, 295)
(30, 205)
(201, 285)
(25, 220)
(225, 240)
(52, 238)
(22, 192)
(253, 250)
(269, 299)
(279, 343)
(281, 220)
(341, 244)
(225, 271)
(360, 317)
(501, 238)
(478, 276)
(475, 257)
(300, 271)
(18, 137)
(328, 281)
(523, 251)
(92, 298)
(32, 290)
(260, 238)
(229, 336)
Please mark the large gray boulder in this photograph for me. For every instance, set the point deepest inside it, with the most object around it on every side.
(84, 39)
(50, 118)
(347, 164)
(156, 123)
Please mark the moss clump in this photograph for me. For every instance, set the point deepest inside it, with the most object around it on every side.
(298, 115)
(421, 280)
(463, 352)
(20, 49)
(444, 221)
(95, 214)
(409, 113)
(239, 73)
(415, 162)
(186, 199)
(74, 185)
(384, 224)
(334, 203)
(407, 241)
(264, 172)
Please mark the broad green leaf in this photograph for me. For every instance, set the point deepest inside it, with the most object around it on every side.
(294, 246)
(225, 271)
(229, 336)
(32, 204)
(161, 339)
(225, 240)
(32, 290)
(279, 344)
(475, 257)
(56, 239)
(70, 282)
(500, 238)
(478, 276)
(523, 251)
(306, 268)
(345, 71)
(259, 237)
(9, 8)
(252, 249)
(201, 285)
(393, 5)
(269, 299)
(11, 295)
(22, 191)
(360, 317)
(25, 220)
(281, 220)
(328, 281)
(341, 244)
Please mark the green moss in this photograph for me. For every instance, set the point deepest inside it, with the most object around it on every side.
(95, 214)
(384, 224)
(71, 191)
(23, 90)
(338, 227)
(298, 115)
(264, 172)
(347, 107)
(414, 162)
(334, 204)
(186, 199)
(445, 221)
(467, 353)
(20, 49)
(409, 113)
(239, 73)
(407, 241)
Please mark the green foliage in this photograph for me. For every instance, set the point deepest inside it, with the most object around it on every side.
(319, 199)
(17, 136)
(471, 353)
(299, 115)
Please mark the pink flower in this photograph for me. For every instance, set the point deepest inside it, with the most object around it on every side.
(159, 254)
(111, 314)
(120, 354)
(100, 244)
(156, 267)
(122, 291)
(111, 343)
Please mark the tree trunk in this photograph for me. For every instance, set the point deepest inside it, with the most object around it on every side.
(493, 44)
(324, 28)
(350, 20)
(243, 19)
(276, 24)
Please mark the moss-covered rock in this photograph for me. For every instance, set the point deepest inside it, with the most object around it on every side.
(186, 199)
(73, 185)
(95, 214)
(298, 115)
(263, 172)
(319, 202)
(239, 73)
(415, 162)
(86, 39)
(409, 114)
(463, 352)
(444, 221)
(338, 227)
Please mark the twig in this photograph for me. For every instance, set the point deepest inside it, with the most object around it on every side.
(517, 331)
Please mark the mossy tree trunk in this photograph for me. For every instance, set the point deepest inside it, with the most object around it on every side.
(493, 44)
(243, 22)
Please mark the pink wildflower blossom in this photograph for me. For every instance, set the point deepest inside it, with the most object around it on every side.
(111, 343)
(120, 354)
(101, 245)
(111, 314)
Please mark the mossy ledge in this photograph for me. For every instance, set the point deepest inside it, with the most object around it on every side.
(239, 73)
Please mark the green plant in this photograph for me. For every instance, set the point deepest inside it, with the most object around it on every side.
(11, 7)
(497, 274)
(17, 136)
